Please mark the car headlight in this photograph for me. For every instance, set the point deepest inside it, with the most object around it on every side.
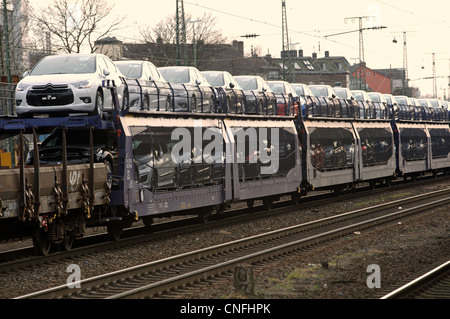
(85, 84)
(22, 86)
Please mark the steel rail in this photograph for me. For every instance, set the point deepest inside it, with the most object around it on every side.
(420, 283)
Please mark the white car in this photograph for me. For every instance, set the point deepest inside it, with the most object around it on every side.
(69, 83)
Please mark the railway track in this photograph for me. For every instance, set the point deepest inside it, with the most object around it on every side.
(152, 279)
(25, 256)
(435, 284)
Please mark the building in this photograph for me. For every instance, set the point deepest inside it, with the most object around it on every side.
(294, 67)
(365, 78)
(109, 46)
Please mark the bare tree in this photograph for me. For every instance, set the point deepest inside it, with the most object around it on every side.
(75, 24)
(166, 30)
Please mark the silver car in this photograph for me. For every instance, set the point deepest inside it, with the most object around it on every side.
(147, 87)
(69, 83)
(192, 92)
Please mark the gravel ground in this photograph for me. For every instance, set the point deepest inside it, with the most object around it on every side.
(333, 271)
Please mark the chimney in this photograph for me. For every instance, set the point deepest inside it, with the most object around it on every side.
(300, 53)
(314, 55)
(327, 54)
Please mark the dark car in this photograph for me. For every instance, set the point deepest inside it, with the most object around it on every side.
(260, 99)
(307, 99)
(78, 149)
(328, 102)
(346, 95)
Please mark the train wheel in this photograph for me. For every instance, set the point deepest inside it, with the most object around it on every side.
(295, 198)
(41, 242)
(204, 213)
(203, 218)
(268, 203)
(67, 242)
(114, 228)
(148, 221)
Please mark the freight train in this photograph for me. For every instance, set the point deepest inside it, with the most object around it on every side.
(130, 164)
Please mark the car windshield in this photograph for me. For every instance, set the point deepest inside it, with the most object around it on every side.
(75, 137)
(401, 100)
(375, 97)
(215, 79)
(434, 103)
(247, 83)
(299, 89)
(130, 70)
(319, 90)
(277, 87)
(423, 103)
(73, 64)
(342, 93)
(175, 75)
(359, 96)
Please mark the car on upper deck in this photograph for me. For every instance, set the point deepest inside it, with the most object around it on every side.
(439, 112)
(260, 99)
(65, 84)
(307, 99)
(147, 88)
(346, 95)
(428, 110)
(287, 98)
(231, 97)
(193, 92)
(367, 106)
(328, 102)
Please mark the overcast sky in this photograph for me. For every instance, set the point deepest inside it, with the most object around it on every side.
(311, 24)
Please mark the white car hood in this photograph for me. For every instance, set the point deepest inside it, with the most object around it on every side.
(56, 78)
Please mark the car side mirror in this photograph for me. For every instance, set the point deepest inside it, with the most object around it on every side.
(150, 78)
(25, 73)
(333, 95)
(231, 85)
(106, 72)
(352, 98)
(198, 82)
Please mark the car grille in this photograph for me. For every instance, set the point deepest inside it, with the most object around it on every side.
(50, 94)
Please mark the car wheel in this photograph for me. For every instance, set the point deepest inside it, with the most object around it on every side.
(98, 110)
(146, 102)
(168, 105)
(260, 108)
(126, 99)
(109, 174)
(212, 104)
(193, 106)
